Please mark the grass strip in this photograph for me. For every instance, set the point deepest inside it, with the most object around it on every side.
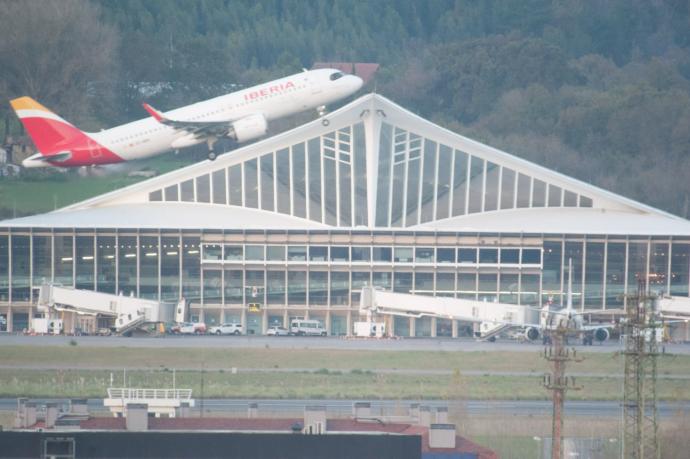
(313, 385)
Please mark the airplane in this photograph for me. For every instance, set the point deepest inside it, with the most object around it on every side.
(240, 116)
(553, 317)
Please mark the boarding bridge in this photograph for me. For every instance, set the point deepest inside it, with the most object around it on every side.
(160, 402)
(126, 312)
(492, 317)
(674, 307)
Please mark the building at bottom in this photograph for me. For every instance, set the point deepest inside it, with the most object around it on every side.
(74, 434)
(295, 225)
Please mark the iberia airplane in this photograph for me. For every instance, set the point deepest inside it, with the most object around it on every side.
(241, 116)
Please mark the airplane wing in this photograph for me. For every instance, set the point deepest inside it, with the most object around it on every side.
(199, 129)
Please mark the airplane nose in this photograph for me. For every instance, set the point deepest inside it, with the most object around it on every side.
(357, 83)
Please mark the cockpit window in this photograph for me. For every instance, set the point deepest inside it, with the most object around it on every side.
(336, 75)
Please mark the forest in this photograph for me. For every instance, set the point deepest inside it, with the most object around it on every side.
(596, 89)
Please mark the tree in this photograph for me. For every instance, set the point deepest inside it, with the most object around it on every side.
(56, 51)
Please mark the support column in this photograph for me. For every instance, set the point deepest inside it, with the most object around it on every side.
(454, 328)
(433, 327)
(10, 319)
(348, 323)
(413, 327)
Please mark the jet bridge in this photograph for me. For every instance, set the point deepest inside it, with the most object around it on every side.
(124, 312)
(491, 317)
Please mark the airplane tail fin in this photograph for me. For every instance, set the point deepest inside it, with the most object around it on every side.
(49, 132)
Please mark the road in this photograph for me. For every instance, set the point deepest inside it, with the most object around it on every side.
(238, 407)
(294, 342)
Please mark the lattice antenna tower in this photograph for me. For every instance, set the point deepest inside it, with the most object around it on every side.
(640, 436)
(559, 383)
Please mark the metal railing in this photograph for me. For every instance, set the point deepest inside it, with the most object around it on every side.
(128, 393)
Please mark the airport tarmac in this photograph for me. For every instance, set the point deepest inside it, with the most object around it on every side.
(295, 342)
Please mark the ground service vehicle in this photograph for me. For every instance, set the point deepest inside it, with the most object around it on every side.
(302, 327)
(189, 328)
(226, 329)
(277, 331)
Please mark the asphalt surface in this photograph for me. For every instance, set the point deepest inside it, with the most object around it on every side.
(238, 407)
(295, 342)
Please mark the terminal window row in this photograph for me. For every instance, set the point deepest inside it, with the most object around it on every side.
(370, 254)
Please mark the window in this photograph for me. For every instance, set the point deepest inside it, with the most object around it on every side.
(361, 254)
(254, 253)
(275, 253)
(403, 255)
(318, 287)
(488, 255)
(318, 253)
(531, 256)
(383, 254)
(234, 252)
(187, 191)
(213, 252)
(510, 256)
(467, 255)
(445, 255)
(336, 75)
(203, 190)
(424, 255)
(340, 254)
(219, 195)
(297, 253)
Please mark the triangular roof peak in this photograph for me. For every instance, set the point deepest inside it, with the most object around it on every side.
(371, 163)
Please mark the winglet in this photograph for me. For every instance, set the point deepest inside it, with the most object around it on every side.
(158, 116)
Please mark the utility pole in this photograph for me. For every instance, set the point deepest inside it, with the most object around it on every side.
(639, 391)
(558, 383)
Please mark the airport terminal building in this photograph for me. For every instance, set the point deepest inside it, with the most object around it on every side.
(296, 224)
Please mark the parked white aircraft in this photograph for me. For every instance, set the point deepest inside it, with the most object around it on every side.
(553, 317)
(241, 116)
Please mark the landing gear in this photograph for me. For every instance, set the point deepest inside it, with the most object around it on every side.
(321, 110)
(211, 152)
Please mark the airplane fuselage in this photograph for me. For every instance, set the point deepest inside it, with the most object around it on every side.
(148, 136)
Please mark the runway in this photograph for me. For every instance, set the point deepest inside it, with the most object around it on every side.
(295, 342)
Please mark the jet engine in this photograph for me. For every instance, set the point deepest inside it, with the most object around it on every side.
(248, 128)
(601, 334)
(532, 333)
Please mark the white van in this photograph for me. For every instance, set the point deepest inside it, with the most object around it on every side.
(301, 327)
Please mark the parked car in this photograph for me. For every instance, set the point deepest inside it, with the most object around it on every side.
(104, 331)
(277, 331)
(226, 329)
(189, 328)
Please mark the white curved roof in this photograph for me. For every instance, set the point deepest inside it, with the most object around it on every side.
(389, 168)
(568, 220)
(155, 215)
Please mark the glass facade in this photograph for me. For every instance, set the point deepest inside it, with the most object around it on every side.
(327, 179)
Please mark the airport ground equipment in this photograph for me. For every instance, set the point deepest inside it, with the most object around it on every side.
(124, 313)
(166, 402)
(491, 317)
